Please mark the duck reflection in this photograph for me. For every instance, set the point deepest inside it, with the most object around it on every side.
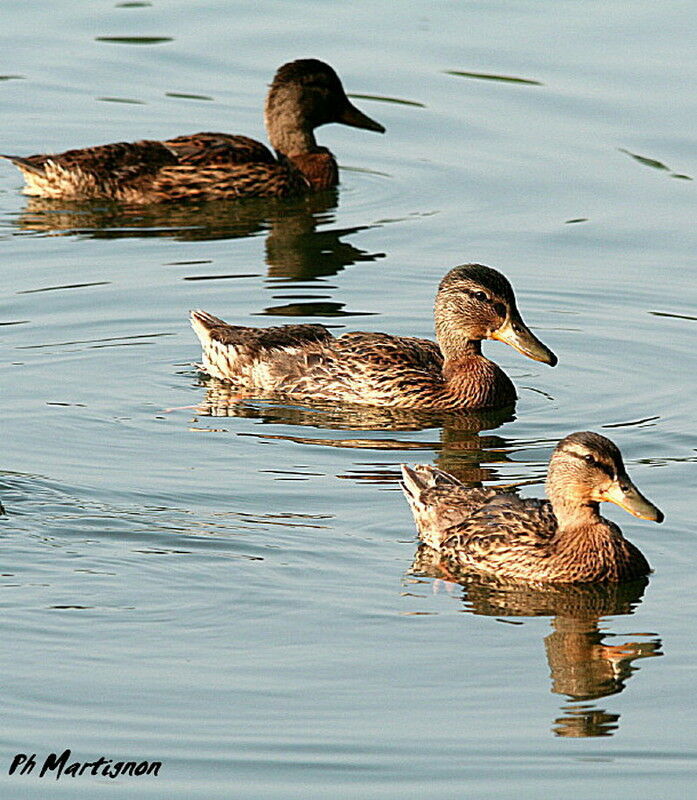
(460, 449)
(299, 244)
(583, 665)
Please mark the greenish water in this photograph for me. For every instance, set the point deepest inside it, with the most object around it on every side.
(229, 587)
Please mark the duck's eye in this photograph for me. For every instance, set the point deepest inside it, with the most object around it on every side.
(481, 296)
(588, 458)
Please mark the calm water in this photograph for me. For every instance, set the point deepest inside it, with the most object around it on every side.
(230, 588)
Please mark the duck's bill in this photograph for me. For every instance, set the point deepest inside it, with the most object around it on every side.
(632, 500)
(357, 119)
(516, 333)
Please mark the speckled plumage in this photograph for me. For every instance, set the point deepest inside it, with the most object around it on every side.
(563, 539)
(377, 368)
(207, 166)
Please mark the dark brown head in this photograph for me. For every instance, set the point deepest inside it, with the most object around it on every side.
(475, 302)
(587, 469)
(306, 94)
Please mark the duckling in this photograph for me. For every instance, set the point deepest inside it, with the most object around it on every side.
(474, 302)
(561, 540)
(207, 166)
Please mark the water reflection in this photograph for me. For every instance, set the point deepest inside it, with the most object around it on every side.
(296, 249)
(460, 449)
(583, 665)
(300, 245)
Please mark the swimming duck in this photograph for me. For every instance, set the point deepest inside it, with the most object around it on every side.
(207, 166)
(474, 302)
(562, 540)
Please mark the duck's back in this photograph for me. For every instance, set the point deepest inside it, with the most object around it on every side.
(219, 148)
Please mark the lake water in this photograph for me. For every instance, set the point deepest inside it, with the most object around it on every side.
(229, 587)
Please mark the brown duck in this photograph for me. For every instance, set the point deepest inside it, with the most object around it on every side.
(562, 540)
(207, 166)
(474, 302)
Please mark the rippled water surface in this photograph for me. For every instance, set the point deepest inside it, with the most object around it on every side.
(229, 586)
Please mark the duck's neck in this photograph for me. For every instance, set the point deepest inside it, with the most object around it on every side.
(588, 547)
(287, 126)
(454, 342)
(474, 382)
(573, 517)
(292, 141)
(459, 360)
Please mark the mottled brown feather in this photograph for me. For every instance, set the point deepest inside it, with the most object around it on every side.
(521, 539)
(219, 148)
(501, 534)
(359, 367)
(380, 369)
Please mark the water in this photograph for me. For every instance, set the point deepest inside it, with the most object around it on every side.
(229, 588)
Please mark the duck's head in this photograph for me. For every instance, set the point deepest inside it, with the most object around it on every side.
(475, 302)
(304, 95)
(587, 469)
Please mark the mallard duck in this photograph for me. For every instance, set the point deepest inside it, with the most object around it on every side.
(563, 539)
(207, 166)
(474, 302)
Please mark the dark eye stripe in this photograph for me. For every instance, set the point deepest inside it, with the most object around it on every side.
(606, 468)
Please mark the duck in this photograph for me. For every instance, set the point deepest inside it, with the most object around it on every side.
(474, 302)
(560, 540)
(304, 94)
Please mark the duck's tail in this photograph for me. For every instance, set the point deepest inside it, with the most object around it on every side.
(43, 177)
(204, 324)
(433, 496)
(25, 164)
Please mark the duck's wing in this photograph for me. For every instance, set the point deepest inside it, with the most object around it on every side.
(374, 369)
(504, 531)
(377, 369)
(147, 156)
(382, 350)
(439, 501)
(214, 166)
(219, 148)
(268, 358)
(224, 181)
